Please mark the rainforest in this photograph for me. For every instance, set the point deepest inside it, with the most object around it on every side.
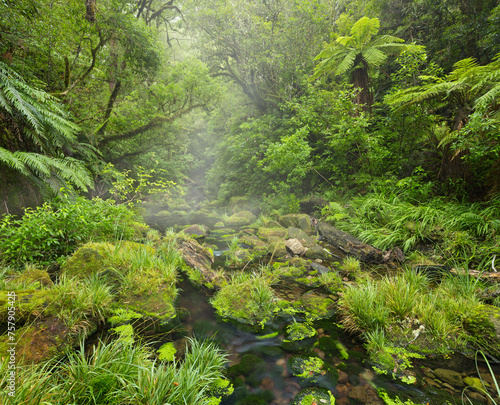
(247, 202)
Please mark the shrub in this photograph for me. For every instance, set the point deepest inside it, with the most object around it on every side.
(56, 228)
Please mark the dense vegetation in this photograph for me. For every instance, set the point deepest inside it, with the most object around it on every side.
(386, 110)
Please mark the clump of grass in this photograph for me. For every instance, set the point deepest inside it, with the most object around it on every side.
(350, 266)
(120, 372)
(75, 300)
(247, 297)
(363, 308)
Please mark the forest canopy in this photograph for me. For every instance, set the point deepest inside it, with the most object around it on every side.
(274, 98)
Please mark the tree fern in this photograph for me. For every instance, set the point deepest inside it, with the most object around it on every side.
(46, 130)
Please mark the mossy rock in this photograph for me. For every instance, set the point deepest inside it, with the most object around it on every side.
(29, 304)
(316, 306)
(88, 260)
(317, 252)
(310, 396)
(301, 221)
(241, 218)
(33, 275)
(157, 304)
(46, 339)
(197, 231)
(483, 327)
(313, 370)
(250, 366)
(163, 214)
(298, 276)
(269, 233)
(296, 233)
(277, 248)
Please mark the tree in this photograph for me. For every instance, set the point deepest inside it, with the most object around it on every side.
(357, 54)
(468, 87)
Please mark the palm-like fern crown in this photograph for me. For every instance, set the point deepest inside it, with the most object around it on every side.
(467, 84)
(362, 44)
(42, 123)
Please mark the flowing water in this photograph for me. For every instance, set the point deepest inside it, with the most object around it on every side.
(259, 360)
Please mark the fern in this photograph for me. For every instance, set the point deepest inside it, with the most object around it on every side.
(42, 120)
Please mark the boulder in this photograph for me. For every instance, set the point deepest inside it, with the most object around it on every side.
(197, 231)
(449, 376)
(241, 218)
(301, 221)
(268, 233)
(295, 247)
(317, 252)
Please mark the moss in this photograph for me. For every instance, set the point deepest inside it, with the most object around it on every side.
(123, 316)
(125, 332)
(46, 339)
(88, 260)
(483, 328)
(167, 352)
(299, 331)
(29, 304)
(316, 306)
(34, 275)
(269, 233)
(249, 364)
(311, 396)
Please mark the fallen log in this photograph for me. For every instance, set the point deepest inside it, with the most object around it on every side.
(350, 246)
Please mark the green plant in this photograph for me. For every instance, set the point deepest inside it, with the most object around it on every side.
(363, 308)
(56, 229)
(38, 135)
(248, 298)
(483, 389)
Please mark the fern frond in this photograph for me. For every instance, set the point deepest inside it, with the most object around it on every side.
(10, 159)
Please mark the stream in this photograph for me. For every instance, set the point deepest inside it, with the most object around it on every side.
(259, 360)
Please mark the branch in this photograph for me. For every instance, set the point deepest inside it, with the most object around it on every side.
(155, 122)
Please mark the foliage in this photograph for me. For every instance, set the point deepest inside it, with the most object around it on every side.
(37, 135)
(128, 190)
(57, 228)
(357, 53)
(247, 298)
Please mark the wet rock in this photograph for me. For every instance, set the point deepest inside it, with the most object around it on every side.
(46, 339)
(483, 327)
(317, 252)
(343, 377)
(365, 394)
(199, 260)
(476, 398)
(474, 382)
(449, 376)
(241, 218)
(296, 233)
(318, 267)
(277, 248)
(301, 221)
(197, 231)
(295, 247)
(268, 233)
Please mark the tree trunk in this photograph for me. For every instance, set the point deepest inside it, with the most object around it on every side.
(90, 5)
